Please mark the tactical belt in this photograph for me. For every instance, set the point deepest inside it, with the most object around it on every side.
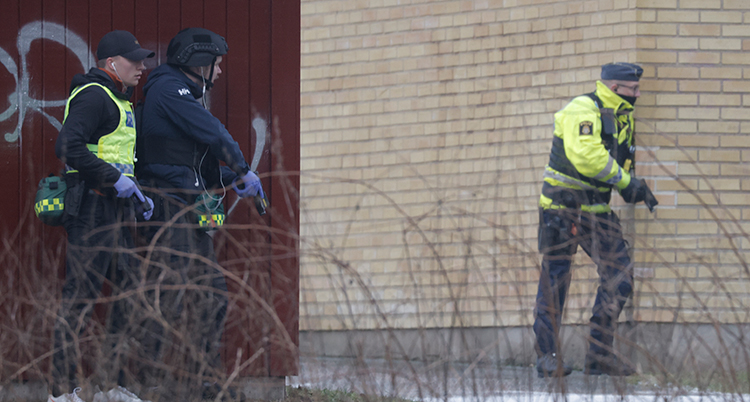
(572, 198)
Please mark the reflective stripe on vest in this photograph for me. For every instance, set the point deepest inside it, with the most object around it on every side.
(116, 148)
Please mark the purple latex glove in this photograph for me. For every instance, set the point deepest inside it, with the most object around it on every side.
(248, 185)
(146, 214)
(126, 187)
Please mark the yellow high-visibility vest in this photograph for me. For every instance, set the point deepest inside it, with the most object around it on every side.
(116, 148)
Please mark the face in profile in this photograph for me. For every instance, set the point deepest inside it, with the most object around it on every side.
(217, 70)
(129, 71)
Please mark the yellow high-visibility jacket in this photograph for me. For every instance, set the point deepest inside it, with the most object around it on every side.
(592, 152)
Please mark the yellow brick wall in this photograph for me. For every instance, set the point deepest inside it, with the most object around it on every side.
(426, 124)
(693, 124)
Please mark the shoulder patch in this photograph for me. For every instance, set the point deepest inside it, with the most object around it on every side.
(586, 128)
(183, 91)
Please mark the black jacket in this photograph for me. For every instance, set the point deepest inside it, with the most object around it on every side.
(174, 120)
(91, 115)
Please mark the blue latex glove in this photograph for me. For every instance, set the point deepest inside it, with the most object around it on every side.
(126, 187)
(248, 186)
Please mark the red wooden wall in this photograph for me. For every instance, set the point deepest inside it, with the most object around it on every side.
(43, 43)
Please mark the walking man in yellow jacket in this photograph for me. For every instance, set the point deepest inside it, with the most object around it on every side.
(592, 153)
(97, 143)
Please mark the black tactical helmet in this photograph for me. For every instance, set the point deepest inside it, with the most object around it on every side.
(195, 47)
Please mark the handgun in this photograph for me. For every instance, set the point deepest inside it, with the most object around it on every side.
(144, 205)
(649, 198)
(261, 203)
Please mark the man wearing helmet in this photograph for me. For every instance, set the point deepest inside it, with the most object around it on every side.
(180, 148)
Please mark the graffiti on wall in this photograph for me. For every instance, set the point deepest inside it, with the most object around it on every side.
(260, 126)
(21, 100)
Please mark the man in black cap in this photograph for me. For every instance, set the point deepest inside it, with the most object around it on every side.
(97, 143)
(592, 153)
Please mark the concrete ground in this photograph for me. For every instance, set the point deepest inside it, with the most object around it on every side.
(454, 382)
(448, 381)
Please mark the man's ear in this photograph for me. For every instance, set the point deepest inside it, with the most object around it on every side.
(108, 63)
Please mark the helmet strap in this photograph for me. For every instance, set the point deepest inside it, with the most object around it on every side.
(210, 84)
(207, 84)
(190, 72)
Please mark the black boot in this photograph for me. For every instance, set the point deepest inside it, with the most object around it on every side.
(550, 365)
(597, 364)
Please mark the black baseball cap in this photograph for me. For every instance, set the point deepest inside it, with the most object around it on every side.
(121, 43)
(622, 72)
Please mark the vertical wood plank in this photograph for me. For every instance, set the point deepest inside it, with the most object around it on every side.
(244, 329)
(285, 107)
(11, 20)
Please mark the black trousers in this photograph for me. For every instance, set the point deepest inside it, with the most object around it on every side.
(98, 252)
(183, 338)
(600, 236)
